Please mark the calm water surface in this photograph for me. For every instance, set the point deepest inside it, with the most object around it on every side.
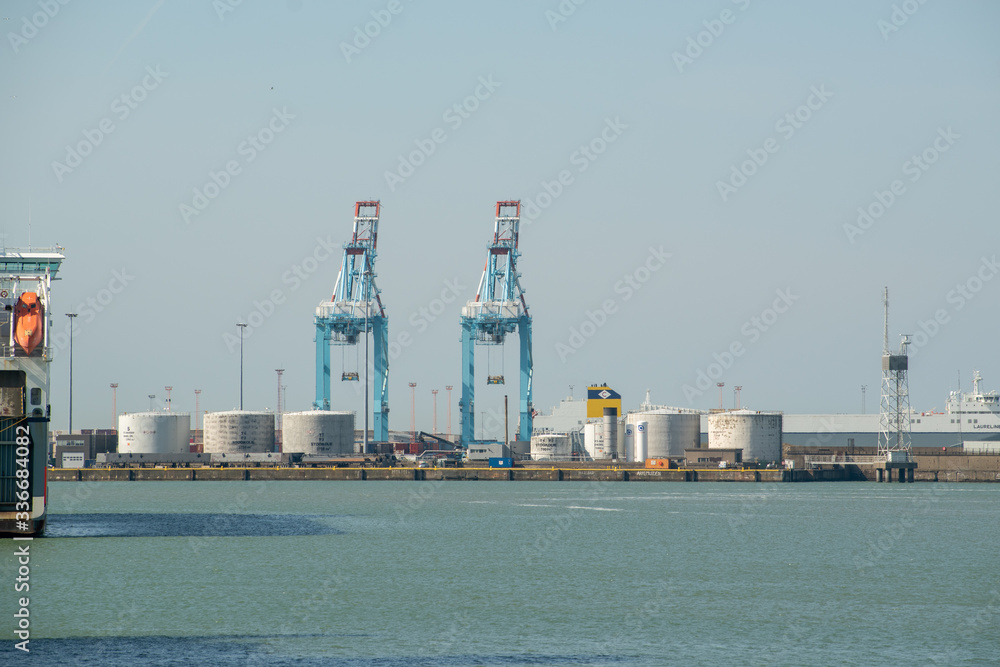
(508, 573)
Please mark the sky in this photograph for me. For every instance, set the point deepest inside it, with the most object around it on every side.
(712, 192)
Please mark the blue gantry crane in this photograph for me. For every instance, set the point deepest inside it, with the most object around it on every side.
(355, 309)
(498, 309)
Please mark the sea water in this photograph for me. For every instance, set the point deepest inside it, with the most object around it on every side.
(382, 573)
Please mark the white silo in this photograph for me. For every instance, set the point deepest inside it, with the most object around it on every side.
(593, 440)
(669, 431)
(154, 433)
(641, 441)
(630, 451)
(758, 434)
(596, 440)
(551, 447)
(239, 432)
(318, 432)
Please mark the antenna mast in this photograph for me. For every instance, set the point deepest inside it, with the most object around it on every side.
(885, 331)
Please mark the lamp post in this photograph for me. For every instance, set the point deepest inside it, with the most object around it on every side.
(71, 317)
(434, 430)
(413, 410)
(197, 409)
(448, 388)
(242, 326)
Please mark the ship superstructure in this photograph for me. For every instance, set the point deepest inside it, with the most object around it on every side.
(26, 347)
(968, 416)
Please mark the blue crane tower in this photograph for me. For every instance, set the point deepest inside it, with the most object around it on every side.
(498, 309)
(356, 308)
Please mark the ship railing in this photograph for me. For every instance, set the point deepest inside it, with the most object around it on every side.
(11, 351)
(842, 459)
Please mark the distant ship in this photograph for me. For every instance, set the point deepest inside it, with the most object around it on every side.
(972, 418)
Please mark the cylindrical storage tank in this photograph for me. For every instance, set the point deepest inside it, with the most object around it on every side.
(611, 432)
(551, 447)
(630, 452)
(318, 432)
(239, 432)
(758, 434)
(154, 433)
(641, 441)
(668, 432)
(593, 440)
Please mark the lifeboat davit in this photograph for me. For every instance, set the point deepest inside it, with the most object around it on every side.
(28, 322)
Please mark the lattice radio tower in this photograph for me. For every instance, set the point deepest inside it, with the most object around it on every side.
(894, 414)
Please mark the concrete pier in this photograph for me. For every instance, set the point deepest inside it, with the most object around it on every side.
(902, 472)
(535, 474)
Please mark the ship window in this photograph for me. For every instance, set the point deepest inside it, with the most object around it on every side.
(976, 421)
(36, 396)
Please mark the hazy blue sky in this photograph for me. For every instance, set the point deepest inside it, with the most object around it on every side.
(832, 99)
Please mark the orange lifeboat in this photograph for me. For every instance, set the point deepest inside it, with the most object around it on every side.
(28, 321)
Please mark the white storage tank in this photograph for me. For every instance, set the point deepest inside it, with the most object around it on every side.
(668, 432)
(318, 432)
(239, 432)
(758, 434)
(154, 433)
(593, 441)
(641, 441)
(551, 447)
